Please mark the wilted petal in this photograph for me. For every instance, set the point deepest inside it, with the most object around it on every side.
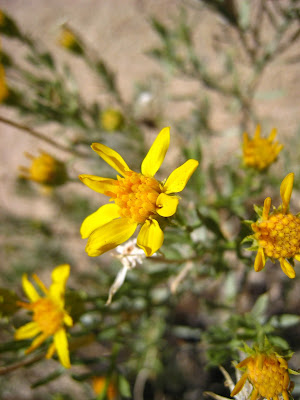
(102, 216)
(151, 237)
(180, 176)
(238, 387)
(286, 189)
(111, 157)
(109, 236)
(118, 282)
(156, 154)
(166, 205)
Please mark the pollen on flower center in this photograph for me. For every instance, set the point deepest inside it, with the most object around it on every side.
(136, 196)
(268, 375)
(279, 236)
(48, 315)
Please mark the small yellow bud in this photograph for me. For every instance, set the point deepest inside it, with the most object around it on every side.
(111, 120)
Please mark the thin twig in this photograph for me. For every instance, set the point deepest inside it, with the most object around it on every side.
(40, 136)
(20, 364)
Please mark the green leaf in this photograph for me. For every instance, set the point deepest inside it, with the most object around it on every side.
(124, 386)
(260, 306)
(284, 320)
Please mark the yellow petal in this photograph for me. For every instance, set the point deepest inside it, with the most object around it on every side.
(62, 347)
(59, 276)
(287, 268)
(286, 188)
(166, 205)
(68, 320)
(29, 289)
(272, 135)
(151, 237)
(266, 209)
(98, 184)
(243, 362)
(109, 236)
(254, 394)
(111, 157)
(238, 387)
(50, 351)
(260, 260)
(180, 176)
(102, 216)
(297, 257)
(257, 132)
(36, 343)
(27, 331)
(156, 154)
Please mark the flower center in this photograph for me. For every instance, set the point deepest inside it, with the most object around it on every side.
(279, 236)
(136, 196)
(270, 379)
(48, 315)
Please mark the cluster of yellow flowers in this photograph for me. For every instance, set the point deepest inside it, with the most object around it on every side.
(138, 198)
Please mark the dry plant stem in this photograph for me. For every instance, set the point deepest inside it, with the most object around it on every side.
(27, 361)
(40, 136)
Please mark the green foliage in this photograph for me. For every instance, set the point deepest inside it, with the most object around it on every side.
(196, 303)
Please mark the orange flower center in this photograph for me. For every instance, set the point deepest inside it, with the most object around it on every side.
(48, 315)
(279, 236)
(136, 196)
(269, 376)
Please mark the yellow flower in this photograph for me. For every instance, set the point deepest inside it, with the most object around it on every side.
(259, 152)
(49, 314)
(277, 234)
(45, 169)
(269, 375)
(4, 92)
(139, 199)
(111, 120)
(105, 388)
(69, 40)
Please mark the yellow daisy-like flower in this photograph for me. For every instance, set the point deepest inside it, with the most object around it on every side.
(277, 234)
(49, 314)
(269, 375)
(259, 152)
(45, 170)
(139, 199)
(4, 92)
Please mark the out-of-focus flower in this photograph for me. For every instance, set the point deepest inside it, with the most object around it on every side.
(105, 387)
(4, 92)
(268, 373)
(277, 234)
(129, 255)
(111, 120)
(49, 314)
(139, 199)
(69, 40)
(45, 170)
(260, 153)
